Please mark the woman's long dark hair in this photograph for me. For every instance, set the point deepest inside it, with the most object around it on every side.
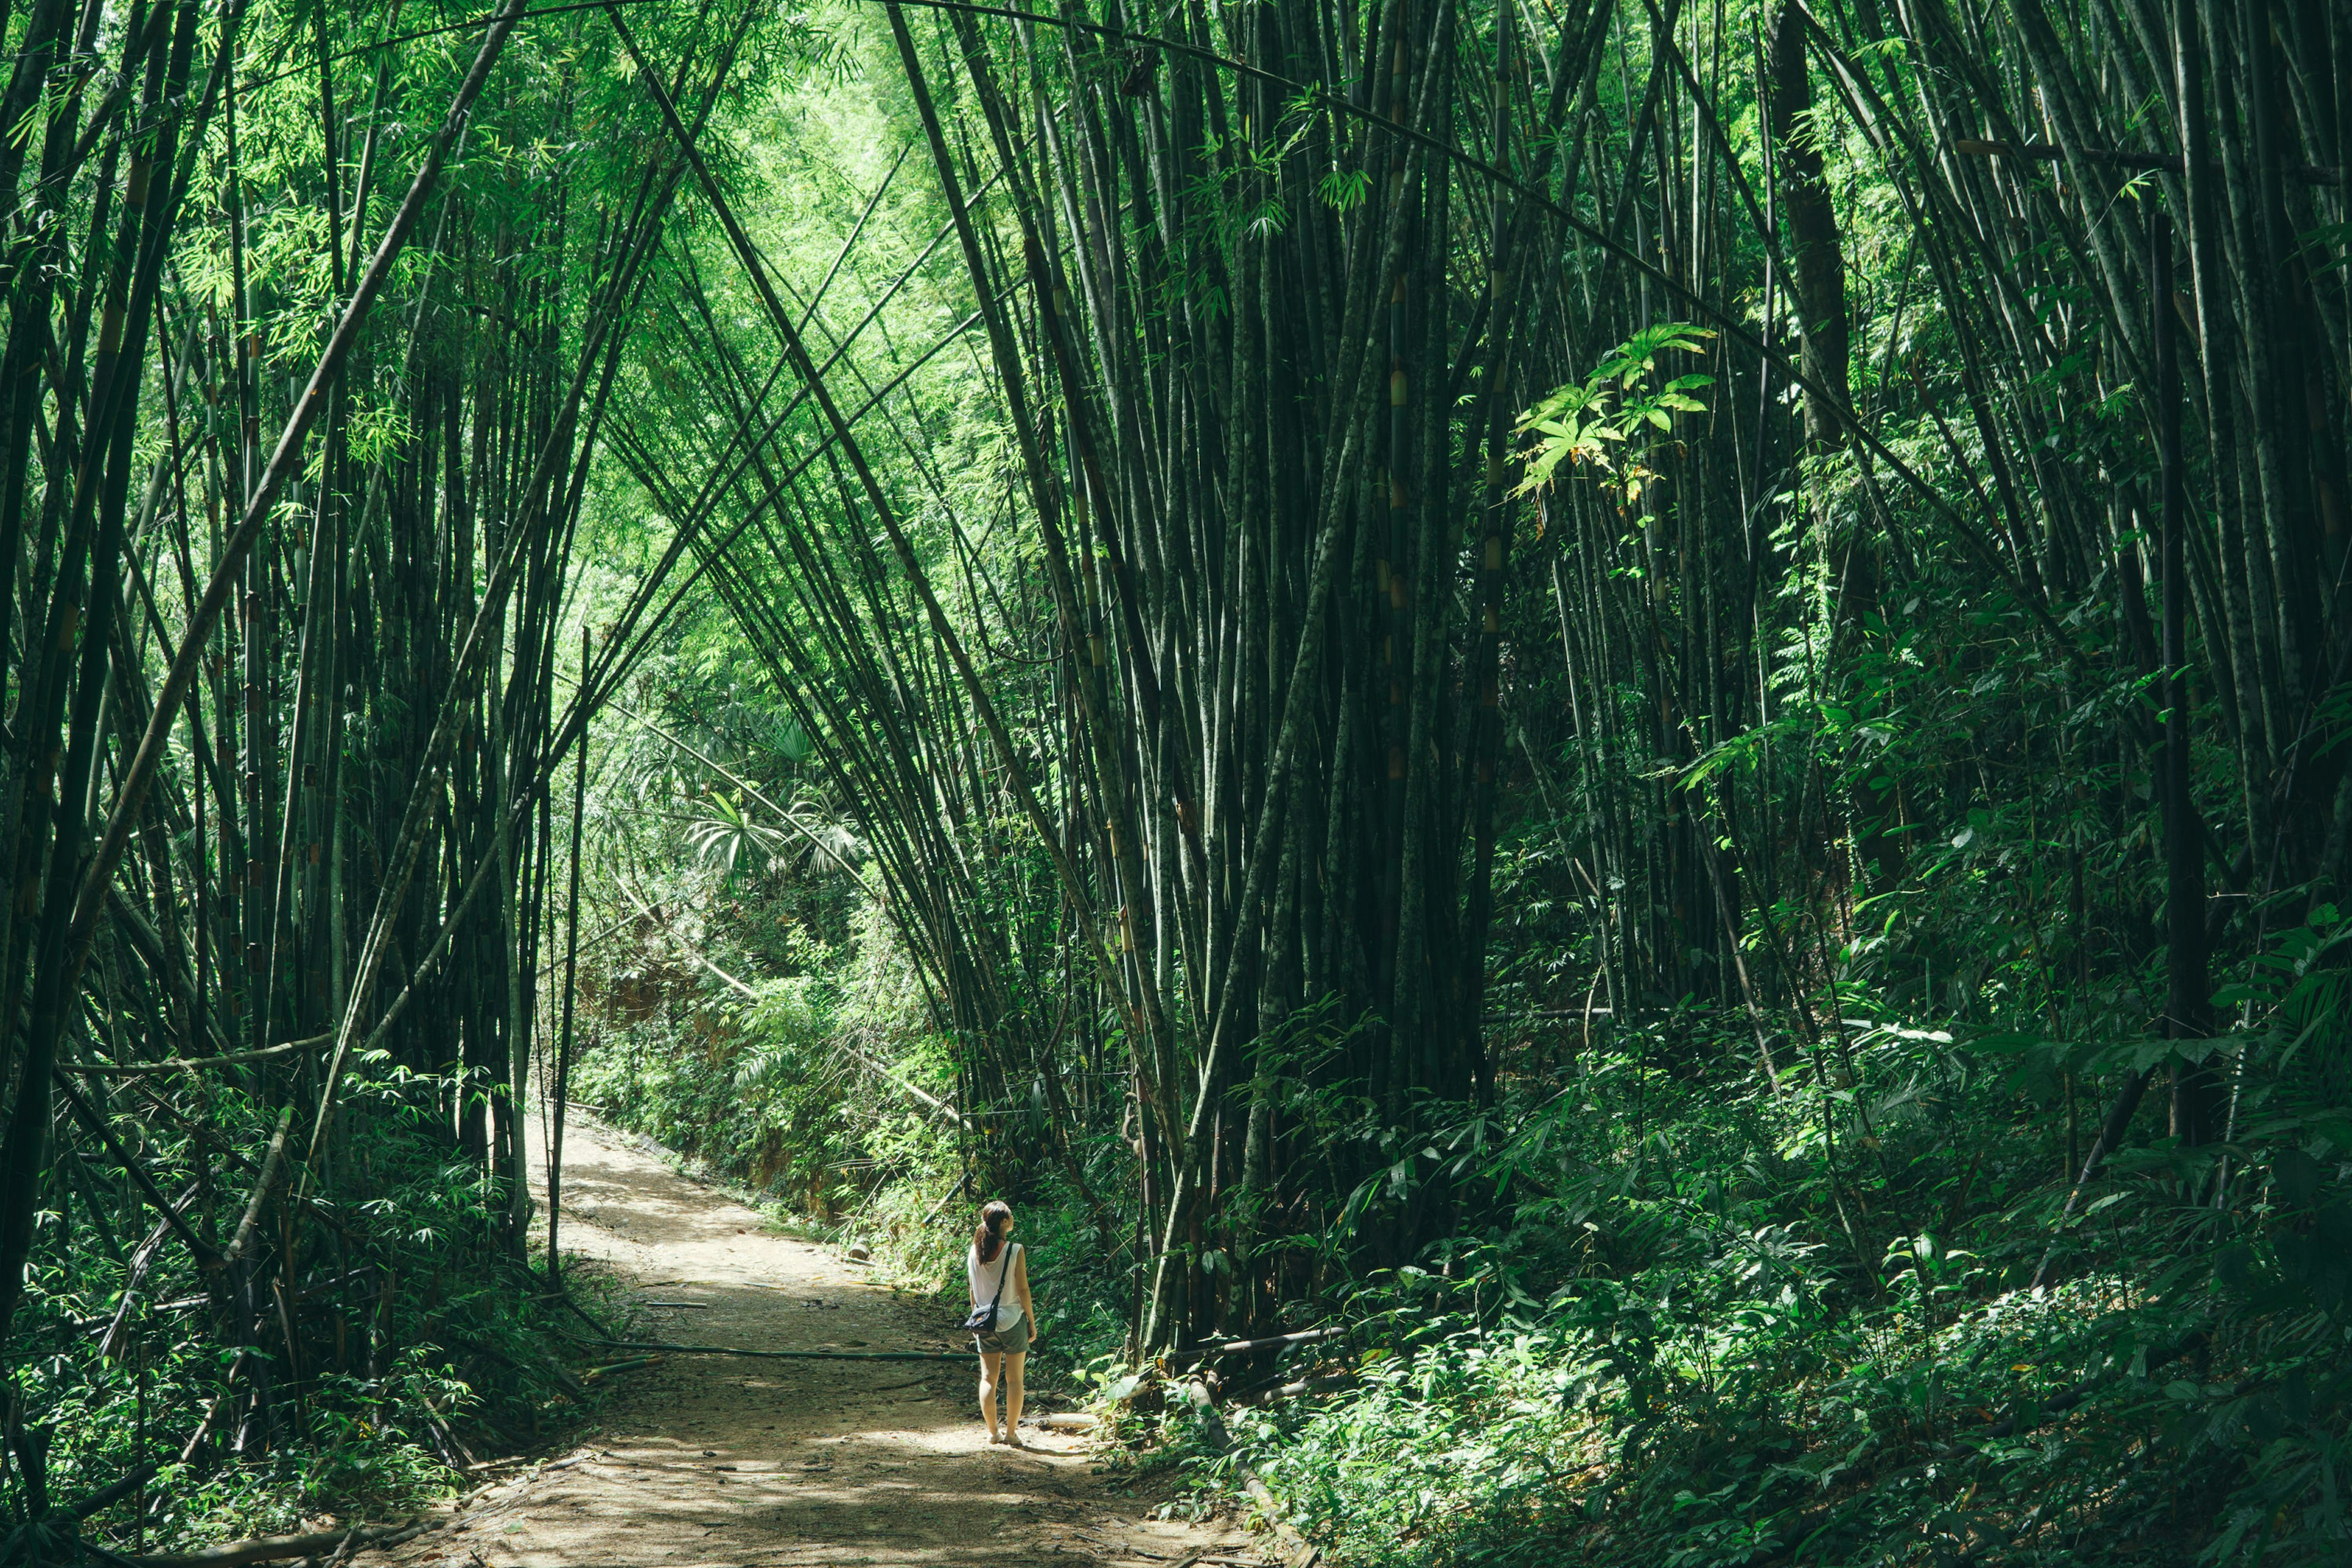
(991, 1233)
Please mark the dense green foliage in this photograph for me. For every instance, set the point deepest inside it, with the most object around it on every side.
(1664, 1351)
(1646, 704)
(313, 313)
(1739, 1210)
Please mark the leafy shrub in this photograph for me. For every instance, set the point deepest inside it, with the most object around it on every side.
(1705, 1324)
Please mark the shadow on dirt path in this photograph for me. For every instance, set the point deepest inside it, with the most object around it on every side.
(732, 1462)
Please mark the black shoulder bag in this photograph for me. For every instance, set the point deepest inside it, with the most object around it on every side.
(982, 1320)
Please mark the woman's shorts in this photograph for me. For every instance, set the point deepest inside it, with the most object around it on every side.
(1008, 1340)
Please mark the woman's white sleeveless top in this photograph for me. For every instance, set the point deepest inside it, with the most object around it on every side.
(982, 1279)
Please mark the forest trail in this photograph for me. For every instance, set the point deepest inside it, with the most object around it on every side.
(729, 1462)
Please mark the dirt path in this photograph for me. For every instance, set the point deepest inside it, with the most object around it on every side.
(731, 1462)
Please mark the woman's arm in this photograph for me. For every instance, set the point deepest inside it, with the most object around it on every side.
(1021, 1286)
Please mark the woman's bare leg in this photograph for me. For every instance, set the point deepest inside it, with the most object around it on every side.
(1016, 1363)
(988, 1359)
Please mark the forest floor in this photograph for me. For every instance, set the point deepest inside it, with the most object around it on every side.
(709, 1461)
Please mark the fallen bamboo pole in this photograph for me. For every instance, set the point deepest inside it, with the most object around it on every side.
(277, 1548)
(190, 1064)
(1242, 1347)
(1293, 1548)
(591, 1374)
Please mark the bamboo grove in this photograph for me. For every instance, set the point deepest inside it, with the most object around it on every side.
(1436, 421)
(1338, 558)
(310, 341)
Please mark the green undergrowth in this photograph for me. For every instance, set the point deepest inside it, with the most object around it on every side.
(1712, 1325)
(819, 1101)
(728, 1085)
(425, 1348)
(1683, 1313)
(888, 1184)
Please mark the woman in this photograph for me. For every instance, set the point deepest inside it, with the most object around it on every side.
(997, 1268)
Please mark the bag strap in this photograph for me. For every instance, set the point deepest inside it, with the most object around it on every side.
(1004, 1274)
